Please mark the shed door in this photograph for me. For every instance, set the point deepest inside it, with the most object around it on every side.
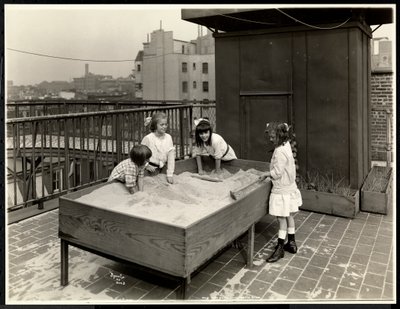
(256, 111)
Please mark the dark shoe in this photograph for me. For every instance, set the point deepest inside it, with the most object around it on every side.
(278, 254)
(290, 247)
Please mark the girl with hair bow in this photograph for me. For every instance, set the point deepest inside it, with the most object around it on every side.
(160, 144)
(285, 197)
(208, 143)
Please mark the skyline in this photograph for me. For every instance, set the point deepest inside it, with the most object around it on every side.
(84, 32)
(95, 32)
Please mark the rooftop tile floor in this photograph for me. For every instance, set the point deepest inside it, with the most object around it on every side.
(338, 260)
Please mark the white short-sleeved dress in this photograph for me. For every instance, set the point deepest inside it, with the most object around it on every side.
(160, 146)
(219, 149)
(285, 197)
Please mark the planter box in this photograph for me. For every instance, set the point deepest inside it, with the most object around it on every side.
(373, 200)
(331, 203)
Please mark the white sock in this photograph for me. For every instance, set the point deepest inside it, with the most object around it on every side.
(290, 230)
(282, 234)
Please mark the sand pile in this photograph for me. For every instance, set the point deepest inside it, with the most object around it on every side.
(182, 203)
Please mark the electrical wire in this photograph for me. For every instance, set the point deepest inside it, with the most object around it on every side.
(247, 20)
(308, 25)
(67, 58)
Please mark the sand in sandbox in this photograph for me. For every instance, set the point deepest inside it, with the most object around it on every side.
(182, 203)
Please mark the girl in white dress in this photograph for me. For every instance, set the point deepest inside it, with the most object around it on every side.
(285, 197)
(161, 146)
(211, 144)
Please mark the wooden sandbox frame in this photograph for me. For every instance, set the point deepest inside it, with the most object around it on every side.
(165, 248)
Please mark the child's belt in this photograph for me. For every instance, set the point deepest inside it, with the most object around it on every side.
(226, 152)
(153, 164)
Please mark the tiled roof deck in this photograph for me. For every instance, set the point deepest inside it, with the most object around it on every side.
(339, 260)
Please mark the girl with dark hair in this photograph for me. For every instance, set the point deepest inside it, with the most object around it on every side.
(208, 143)
(285, 197)
(131, 170)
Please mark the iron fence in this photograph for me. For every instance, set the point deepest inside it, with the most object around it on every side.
(48, 156)
(30, 108)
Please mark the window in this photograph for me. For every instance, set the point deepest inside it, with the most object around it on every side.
(194, 66)
(76, 167)
(194, 85)
(184, 67)
(205, 68)
(205, 86)
(183, 49)
(184, 87)
(93, 171)
(139, 86)
(57, 181)
(138, 67)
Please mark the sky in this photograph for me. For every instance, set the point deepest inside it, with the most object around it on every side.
(93, 32)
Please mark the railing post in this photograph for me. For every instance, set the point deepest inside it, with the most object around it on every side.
(182, 150)
(118, 139)
(66, 155)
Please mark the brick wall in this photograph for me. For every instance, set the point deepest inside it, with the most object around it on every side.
(381, 100)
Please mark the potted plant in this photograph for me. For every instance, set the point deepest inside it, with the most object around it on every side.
(325, 194)
(376, 190)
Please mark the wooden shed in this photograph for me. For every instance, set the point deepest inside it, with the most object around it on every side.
(309, 67)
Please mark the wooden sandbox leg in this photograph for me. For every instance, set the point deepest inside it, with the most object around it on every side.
(250, 246)
(182, 291)
(64, 262)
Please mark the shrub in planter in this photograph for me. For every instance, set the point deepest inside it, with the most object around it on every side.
(324, 194)
(376, 190)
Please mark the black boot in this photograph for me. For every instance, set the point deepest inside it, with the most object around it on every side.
(278, 253)
(290, 246)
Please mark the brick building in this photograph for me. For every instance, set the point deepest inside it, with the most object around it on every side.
(381, 98)
(381, 104)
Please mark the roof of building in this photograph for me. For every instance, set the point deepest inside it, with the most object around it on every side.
(229, 20)
(139, 56)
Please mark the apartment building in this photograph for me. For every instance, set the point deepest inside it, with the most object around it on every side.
(171, 69)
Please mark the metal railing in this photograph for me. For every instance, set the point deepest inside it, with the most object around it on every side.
(31, 108)
(48, 156)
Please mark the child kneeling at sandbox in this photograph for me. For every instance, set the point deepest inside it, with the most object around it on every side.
(131, 170)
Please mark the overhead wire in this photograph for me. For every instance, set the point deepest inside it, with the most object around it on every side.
(312, 26)
(247, 20)
(66, 58)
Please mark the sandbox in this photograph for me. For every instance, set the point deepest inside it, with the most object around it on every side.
(173, 229)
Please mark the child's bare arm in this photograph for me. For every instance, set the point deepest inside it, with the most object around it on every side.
(218, 165)
(140, 183)
(199, 165)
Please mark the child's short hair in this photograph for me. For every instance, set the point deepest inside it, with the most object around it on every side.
(203, 126)
(155, 119)
(139, 154)
(282, 131)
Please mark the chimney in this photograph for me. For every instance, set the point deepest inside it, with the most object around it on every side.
(86, 69)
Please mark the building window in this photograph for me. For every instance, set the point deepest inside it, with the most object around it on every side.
(194, 66)
(57, 181)
(194, 85)
(139, 86)
(205, 86)
(138, 68)
(184, 67)
(205, 68)
(183, 49)
(184, 87)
